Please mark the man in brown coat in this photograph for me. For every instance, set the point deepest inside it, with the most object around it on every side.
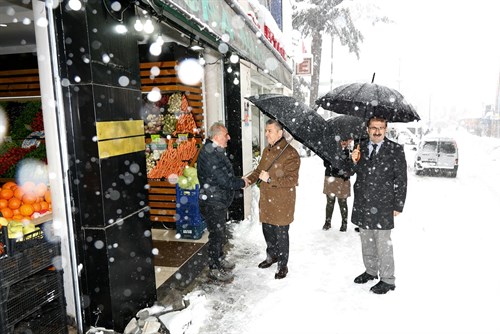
(278, 172)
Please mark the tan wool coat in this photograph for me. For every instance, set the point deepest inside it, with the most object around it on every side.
(277, 198)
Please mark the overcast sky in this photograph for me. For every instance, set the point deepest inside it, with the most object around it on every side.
(443, 55)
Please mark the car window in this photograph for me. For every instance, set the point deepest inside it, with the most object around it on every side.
(447, 147)
(430, 146)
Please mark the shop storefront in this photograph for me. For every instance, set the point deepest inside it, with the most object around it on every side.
(106, 132)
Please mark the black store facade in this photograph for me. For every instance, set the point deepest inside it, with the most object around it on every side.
(92, 85)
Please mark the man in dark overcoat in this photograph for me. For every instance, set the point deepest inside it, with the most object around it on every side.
(217, 189)
(379, 196)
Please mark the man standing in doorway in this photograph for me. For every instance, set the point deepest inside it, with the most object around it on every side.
(217, 188)
(379, 196)
(279, 172)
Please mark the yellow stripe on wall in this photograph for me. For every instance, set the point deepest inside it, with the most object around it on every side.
(114, 147)
(118, 129)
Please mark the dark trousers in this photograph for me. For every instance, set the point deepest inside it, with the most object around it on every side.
(278, 243)
(330, 204)
(215, 218)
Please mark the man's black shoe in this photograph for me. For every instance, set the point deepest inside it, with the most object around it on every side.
(266, 264)
(382, 288)
(356, 229)
(281, 273)
(364, 277)
(327, 226)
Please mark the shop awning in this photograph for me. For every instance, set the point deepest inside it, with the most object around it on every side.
(218, 22)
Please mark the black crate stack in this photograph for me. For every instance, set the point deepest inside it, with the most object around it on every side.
(32, 291)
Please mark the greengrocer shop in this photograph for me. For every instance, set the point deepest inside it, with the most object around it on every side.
(103, 105)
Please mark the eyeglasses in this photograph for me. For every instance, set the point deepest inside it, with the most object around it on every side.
(374, 128)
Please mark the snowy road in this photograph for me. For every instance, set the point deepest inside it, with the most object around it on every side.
(446, 253)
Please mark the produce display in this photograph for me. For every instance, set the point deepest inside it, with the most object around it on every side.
(25, 138)
(24, 202)
(172, 118)
(189, 178)
(18, 230)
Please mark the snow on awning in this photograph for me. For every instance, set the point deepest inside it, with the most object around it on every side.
(229, 25)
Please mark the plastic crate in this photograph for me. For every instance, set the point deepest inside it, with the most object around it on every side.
(192, 230)
(187, 202)
(27, 297)
(13, 246)
(50, 319)
(24, 264)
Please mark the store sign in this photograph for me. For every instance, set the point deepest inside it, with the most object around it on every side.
(274, 42)
(219, 18)
(304, 68)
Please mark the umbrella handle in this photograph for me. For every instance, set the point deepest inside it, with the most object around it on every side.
(359, 150)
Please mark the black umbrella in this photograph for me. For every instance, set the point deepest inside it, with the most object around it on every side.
(341, 128)
(308, 127)
(301, 121)
(345, 127)
(366, 100)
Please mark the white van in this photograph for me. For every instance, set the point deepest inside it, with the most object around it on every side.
(437, 154)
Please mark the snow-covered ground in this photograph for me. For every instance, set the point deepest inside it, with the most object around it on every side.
(446, 253)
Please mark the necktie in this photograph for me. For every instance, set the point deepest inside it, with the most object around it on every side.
(374, 151)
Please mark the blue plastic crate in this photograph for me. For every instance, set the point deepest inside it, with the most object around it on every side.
(191, 230)
(187, 207)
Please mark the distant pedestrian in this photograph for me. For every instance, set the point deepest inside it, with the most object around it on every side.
(217, 189)
(337, 185)
(279, 172)
(379, 196)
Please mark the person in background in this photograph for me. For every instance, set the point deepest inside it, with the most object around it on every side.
(278, 172)
(379, 196)
(217, 190)
(337, 184)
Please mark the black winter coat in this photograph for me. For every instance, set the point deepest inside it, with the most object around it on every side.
(216, 175)
(343, 170)
(380, 186)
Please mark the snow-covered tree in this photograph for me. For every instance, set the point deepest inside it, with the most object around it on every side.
(318, 18)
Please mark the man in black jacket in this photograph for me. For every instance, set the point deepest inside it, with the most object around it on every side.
(217, 188)
(379, 196)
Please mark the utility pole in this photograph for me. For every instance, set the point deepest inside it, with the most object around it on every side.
(331, 65)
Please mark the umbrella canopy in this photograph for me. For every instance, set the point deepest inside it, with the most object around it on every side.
(345, 127)
(366, 100)
(308, 127)
(301, 121)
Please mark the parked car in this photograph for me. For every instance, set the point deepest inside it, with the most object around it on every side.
(437, 154)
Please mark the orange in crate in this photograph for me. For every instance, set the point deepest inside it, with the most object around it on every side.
(19, 193)
(29, 199)
(6, 194)
(44, 205)
(3, 203)
(47, 197)
(28, 187)
(7, 212)
(9, 185)
(26, 210)
(41, 189)
(14, 203)
(36, 206)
